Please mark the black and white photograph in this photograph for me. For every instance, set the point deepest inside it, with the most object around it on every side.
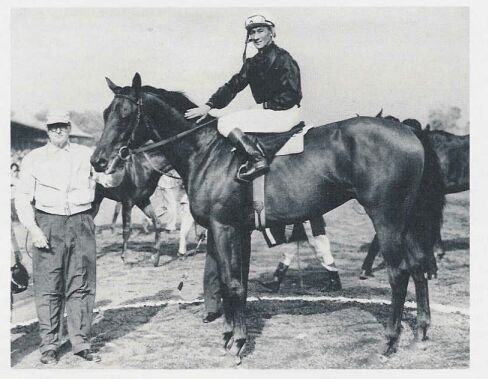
(259, 186)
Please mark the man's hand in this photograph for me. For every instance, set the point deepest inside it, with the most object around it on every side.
(38, 238)
(198, 112)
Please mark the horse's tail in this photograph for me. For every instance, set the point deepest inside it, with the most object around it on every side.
(425, 220)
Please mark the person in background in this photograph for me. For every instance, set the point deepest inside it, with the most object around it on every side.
(14, 179)
(53, 201)
(168, 187)
(313, 232)
(187, 223)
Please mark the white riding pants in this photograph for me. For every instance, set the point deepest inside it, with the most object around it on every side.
(259, 120)
(320, 245)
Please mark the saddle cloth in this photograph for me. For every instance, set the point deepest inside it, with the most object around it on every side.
(295, 144)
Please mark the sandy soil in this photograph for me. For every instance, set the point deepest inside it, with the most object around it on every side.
(282, 334)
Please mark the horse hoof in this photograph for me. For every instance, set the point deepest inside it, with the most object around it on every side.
(365, 275)
(155, 260)
(237, 348)
(390, 350)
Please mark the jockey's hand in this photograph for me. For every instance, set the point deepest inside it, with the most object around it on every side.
(200, 112)
(38, 238)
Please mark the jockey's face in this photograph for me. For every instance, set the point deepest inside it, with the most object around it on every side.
(261, 36)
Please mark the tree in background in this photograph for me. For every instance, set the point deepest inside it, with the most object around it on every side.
(448, 119)
(90, 122)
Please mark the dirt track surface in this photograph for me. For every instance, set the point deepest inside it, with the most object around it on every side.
(282, 334)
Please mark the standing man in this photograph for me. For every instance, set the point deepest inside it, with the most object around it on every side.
(53, 201)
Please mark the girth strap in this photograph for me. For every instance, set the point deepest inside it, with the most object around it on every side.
(258, 202)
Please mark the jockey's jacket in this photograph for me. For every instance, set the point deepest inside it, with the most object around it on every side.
(274, 78)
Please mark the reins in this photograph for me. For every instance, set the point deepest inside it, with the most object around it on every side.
(125, 151)
(167, 141)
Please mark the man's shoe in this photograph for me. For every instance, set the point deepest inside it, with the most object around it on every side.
(88, 356)
(49, 357)
(211, 316)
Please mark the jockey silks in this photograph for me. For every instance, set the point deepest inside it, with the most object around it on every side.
(274, 78)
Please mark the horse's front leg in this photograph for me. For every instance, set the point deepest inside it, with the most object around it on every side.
(233, 262)
(126, 227)
(146, 207)
(117, 208)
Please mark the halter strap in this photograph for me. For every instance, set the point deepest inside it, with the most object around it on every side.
(156, 144)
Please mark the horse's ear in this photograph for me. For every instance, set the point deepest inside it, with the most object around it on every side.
(136, 83)
(427, 127)
(114, 87)
(379, 115)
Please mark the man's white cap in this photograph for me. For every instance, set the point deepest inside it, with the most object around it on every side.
(58, 117)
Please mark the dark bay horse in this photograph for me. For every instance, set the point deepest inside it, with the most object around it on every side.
(138, 178)
(378, 162)
(453, 153)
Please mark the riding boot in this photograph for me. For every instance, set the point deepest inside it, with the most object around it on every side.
(257, 164)
(278, 276)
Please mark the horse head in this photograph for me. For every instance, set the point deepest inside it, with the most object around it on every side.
(121, 123)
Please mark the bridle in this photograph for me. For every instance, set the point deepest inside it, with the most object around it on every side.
(125, 151)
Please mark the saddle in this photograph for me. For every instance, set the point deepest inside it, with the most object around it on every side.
(273, 143)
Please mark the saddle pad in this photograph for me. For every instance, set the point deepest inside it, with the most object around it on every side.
(295, 144)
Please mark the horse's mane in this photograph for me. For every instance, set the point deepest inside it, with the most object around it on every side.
(175, 99)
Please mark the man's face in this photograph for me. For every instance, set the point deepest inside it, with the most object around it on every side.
(261, 36)
(59, 134)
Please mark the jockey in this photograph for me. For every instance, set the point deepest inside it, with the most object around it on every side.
(274, 78)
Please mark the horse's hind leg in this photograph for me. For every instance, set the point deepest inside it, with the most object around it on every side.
(423, 307)
(439, 247)
(398, 278)
(390, 243)
(417, 263)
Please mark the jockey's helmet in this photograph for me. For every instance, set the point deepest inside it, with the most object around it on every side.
(257, 20)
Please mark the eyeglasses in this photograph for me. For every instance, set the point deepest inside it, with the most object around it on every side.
(57, 129)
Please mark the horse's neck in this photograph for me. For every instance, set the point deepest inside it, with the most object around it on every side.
(190, 148)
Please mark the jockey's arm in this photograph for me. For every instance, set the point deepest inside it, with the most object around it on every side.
(225, 94)
(222, 97)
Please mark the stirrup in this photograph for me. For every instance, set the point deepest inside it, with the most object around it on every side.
(245, 167)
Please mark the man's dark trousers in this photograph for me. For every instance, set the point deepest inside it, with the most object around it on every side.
(66, 270)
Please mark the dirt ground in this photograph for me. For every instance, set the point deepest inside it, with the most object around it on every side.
(140, 325)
